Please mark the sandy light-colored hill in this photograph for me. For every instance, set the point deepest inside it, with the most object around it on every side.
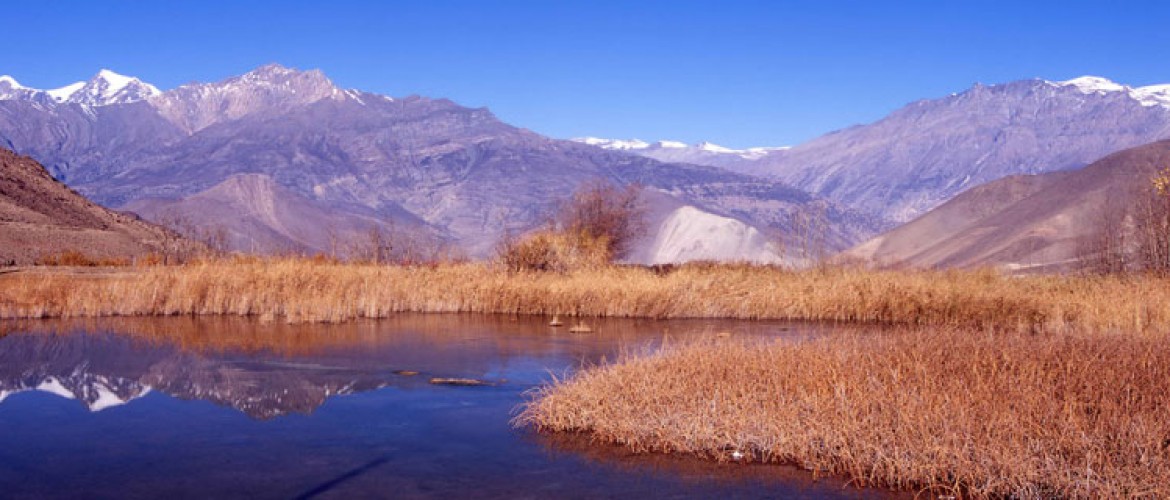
(1022, 223)
(40, 216)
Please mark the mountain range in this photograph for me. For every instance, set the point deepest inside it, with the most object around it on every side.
(282, 159)
(929, 151)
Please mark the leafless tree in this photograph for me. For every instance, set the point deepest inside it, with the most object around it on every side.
(603, 211)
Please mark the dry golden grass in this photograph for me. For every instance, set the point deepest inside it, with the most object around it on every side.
(1021, 385)
(297, 290)
(944, 411)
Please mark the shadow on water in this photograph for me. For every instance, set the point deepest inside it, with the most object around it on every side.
(234, 407)
(333, 483)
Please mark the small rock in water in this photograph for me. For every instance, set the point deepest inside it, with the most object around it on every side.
(469, 382)
(405, 373)
(580, 328)
(556, 321)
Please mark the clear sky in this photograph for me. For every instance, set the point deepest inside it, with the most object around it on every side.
(735, 73)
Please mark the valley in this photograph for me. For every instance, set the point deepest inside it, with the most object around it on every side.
(270, 284)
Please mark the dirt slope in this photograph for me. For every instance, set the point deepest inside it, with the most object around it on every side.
(1020, 222)
(41, 216)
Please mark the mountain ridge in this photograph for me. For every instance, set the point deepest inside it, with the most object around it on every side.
(926, 152)
(468, 176)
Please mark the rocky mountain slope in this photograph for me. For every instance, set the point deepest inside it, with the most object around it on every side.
(357, 160)
(40, 216)
(929, 151)
(1022, 222)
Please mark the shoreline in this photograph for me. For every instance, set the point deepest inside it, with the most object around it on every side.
(943, 412)
(305, 290)
(985, 385)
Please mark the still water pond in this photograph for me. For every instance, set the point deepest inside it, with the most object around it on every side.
(230, 407)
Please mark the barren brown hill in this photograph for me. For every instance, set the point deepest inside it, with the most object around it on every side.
(40, 216)
(1029, 222)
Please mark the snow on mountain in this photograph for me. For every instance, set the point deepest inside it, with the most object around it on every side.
(108, 87)
(105, 88)
(1151, 95)
(703, 153)
(457, 176)
(929, 151)
(12, 89)
(64, 93)
(615, 144)
(10, 82)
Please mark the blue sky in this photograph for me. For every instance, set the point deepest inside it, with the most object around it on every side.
(735, 73)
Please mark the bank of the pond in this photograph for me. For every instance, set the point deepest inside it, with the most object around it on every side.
(297, 290)
(949, 412)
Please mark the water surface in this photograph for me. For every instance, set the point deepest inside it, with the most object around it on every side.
(233, 407)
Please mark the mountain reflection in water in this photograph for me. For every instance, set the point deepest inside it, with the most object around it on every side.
(332, 410)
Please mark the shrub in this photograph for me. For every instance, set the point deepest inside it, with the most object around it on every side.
(600, 212)
(556, 251)
(78, 259)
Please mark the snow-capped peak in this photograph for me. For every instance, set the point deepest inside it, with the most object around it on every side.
(118, 82)
(12, 89)
(1152, 95)
(108, 87)
(105, 88)
(10, 82)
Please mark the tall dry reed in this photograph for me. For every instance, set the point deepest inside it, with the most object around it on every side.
(298, 290)
(948, 412)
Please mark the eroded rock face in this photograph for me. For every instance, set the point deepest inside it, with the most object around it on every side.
(352, 161)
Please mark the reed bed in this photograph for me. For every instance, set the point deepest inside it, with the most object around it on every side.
(305, 290)
(947, 412)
